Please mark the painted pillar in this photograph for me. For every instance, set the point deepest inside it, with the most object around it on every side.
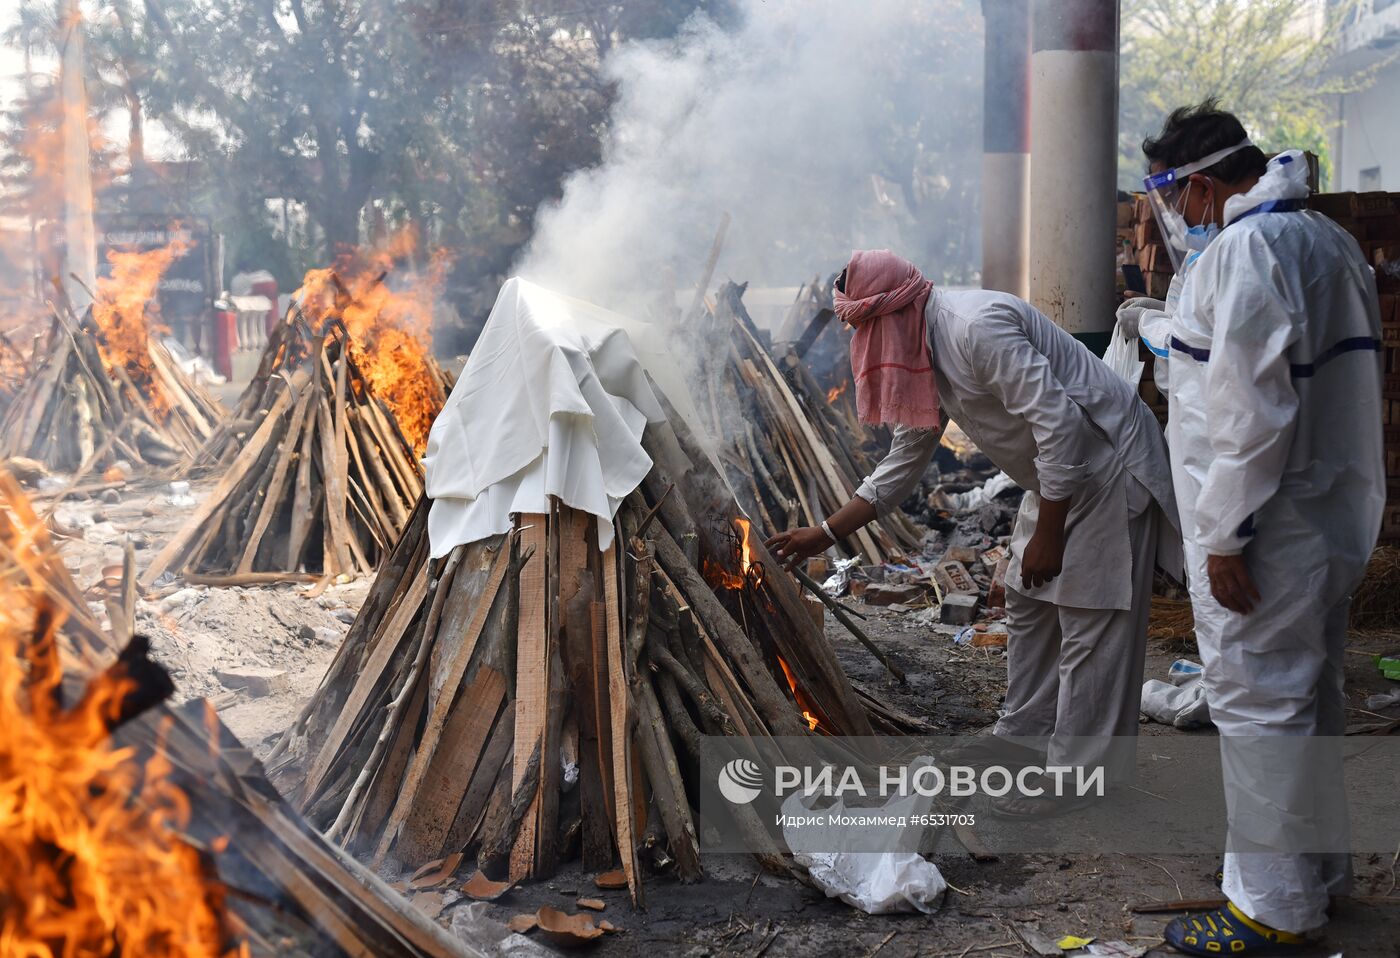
(1073, 177)
(1006, 146)
(80, 258)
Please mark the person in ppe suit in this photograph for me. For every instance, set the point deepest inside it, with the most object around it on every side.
(1275, 439)
(1089, 454)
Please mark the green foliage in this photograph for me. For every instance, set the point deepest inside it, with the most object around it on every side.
(1270, 62)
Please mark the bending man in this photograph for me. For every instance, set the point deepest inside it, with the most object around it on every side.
(1093, 463)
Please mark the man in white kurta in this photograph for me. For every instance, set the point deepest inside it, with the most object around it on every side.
(1060, 423)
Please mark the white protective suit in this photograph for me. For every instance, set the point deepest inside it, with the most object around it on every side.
(1275, 438)
(1062, 424)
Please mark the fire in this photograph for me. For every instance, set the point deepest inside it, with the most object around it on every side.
(836, 392)
(797, 693)
(390, 329)
(750, 572)
(745, 548)
(91, 863)
(124, 315)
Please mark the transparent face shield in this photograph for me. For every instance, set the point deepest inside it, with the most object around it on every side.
(1166, 191)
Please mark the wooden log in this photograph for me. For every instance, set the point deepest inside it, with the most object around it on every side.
(777, 711)
(651, 738)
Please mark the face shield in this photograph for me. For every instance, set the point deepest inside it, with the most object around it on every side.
(1166, 191)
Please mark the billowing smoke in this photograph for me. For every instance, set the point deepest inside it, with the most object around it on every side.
(820, 125)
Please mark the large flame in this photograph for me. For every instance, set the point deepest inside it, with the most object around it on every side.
(390, 328)
(91, 863)
(126, 313)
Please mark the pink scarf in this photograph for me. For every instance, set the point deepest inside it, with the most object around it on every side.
(890, 358)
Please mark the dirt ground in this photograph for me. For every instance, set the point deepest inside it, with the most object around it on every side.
(206, 635)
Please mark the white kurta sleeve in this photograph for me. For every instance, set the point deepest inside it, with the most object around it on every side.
(900, 471)
(1251, 402)
(1020, 376)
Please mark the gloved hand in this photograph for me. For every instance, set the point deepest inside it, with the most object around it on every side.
(1130, 314)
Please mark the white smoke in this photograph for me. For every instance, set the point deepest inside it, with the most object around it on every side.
(820, 125)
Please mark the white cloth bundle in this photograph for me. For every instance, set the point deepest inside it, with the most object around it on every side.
(552, 402)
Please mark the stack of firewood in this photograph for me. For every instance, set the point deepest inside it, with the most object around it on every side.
(467, 684)
(30, 565)
(74, 410)
(789, 457)
(317, 478)
(275, 887)
(289, 892)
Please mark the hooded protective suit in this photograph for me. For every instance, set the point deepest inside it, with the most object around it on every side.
(1276, 449)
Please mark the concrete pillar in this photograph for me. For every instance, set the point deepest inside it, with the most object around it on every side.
(1074, 132)
(1006, 146)
(80, 237)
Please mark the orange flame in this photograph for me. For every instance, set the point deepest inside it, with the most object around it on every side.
(836, 392)
(91, 862)
(390, 329)
(126, 313)
(797, 693)
(749, 572)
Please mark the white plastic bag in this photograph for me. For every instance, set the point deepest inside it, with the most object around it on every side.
(842, 862)
(1181, 702)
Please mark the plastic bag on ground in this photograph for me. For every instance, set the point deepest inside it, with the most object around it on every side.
(876, 882)
(1181, 702)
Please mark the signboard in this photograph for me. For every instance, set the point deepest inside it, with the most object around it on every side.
(188, 287)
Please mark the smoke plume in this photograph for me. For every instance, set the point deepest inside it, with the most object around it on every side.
(819, 125)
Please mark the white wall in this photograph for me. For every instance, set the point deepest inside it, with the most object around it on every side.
(1369, 134)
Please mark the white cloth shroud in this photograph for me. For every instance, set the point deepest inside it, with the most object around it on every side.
(552, 402)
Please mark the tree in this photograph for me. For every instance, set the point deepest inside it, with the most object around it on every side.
(1270, 62)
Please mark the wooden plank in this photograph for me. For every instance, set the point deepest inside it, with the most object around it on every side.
(366, 681)
(444, 785)
(175, 548)
(303, 514)
(531, 682)
(437, 715)
(273, 498)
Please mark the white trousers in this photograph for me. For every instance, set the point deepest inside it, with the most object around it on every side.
(1074, 676)
(1274, 683)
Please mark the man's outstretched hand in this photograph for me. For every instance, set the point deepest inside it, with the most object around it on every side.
(1231, 583)
(798, 545)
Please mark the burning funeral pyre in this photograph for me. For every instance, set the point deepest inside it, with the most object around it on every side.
(319, 462)
(131, 828)
(468, 683)
(104, 387)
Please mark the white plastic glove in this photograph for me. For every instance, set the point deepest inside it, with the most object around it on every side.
(1130, 314)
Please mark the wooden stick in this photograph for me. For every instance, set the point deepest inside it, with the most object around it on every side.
(840, 611)
(697, 303)
(251, 578)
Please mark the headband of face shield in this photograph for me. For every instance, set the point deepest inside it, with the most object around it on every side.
(1167, 194)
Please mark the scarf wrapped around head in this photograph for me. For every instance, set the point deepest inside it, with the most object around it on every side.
(884, 300)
